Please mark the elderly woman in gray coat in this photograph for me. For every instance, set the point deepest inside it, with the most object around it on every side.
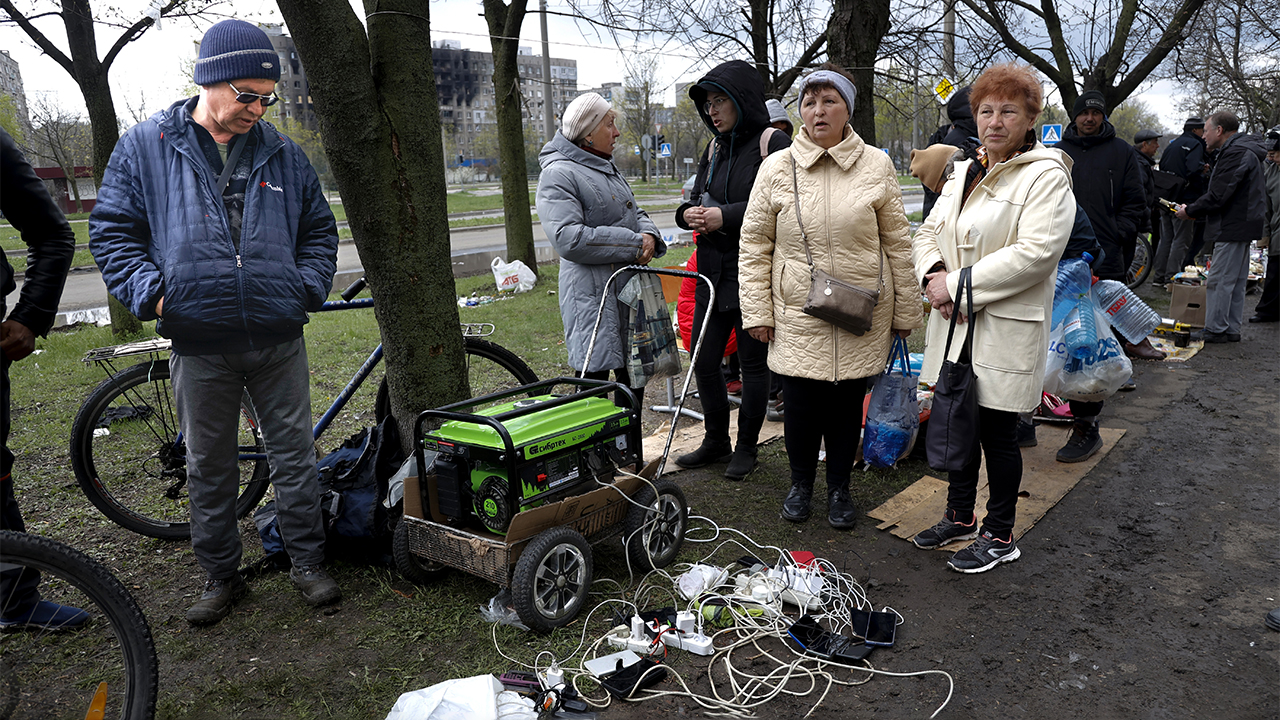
(592, 220)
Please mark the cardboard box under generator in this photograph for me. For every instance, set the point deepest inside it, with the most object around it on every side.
(1188, 304)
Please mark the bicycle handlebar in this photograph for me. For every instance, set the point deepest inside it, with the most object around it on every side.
(354, 289)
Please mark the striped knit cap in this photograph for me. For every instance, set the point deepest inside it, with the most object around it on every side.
(236, 50)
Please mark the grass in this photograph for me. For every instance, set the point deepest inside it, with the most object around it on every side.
(389, 636)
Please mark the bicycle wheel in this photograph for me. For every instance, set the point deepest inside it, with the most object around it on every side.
(50, 674)
(127, 459)
(1140, 268)
(490, 368)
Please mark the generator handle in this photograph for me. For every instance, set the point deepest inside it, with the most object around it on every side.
(492, 422)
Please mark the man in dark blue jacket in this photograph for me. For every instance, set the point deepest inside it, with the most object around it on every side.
(1184, 157)
(26, 204)
(1235, 207)
(1107, 182)
(211, 221)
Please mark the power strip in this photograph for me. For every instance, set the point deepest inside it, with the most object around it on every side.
(802, 587)
(684, 636)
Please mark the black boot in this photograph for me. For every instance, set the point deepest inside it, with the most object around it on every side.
(715, 447)
(744, 457)
(840, 510)
(796, 507)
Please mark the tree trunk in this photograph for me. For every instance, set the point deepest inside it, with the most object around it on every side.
(91, 75)
(380, 124)
(504, 29)
(854, 33)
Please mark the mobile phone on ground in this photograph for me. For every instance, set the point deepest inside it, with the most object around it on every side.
(881, 628)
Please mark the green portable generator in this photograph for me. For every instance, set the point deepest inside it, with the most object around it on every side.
(535, 448)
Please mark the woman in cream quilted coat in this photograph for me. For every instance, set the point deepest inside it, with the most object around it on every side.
(851, 207)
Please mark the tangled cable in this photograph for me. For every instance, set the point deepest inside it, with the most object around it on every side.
(742, 613)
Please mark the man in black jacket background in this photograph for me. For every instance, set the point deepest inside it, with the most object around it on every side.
(1107, 182)
(962, 133)
(1235, 207)
(1184, 157)
(50, 244)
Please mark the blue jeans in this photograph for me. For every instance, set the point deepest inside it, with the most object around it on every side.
(208, 389)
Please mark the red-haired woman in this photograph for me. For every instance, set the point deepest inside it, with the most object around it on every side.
(1006, 215)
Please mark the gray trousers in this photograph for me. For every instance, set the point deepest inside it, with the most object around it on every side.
(208, 389)
(1224, 297)
(1175, 240)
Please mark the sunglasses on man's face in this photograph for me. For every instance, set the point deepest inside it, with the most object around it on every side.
(249, 98)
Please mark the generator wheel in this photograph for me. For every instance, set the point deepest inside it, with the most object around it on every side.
(552, 578)
(655, 528)
(412, 568)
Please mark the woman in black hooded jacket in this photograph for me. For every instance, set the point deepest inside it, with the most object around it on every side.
(730, 99)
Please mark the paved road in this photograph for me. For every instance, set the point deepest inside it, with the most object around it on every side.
(472, 248)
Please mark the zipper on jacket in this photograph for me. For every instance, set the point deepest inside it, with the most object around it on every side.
(238, 261)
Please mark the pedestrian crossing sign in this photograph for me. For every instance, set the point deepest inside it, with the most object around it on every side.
(1050, 134)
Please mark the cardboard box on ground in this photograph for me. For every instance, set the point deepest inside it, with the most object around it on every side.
(1187, 305)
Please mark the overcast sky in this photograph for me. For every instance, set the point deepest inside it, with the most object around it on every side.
(150, 72)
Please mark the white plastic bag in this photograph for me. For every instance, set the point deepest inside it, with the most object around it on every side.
(512, 275)
(473, 698)
(1092, 378)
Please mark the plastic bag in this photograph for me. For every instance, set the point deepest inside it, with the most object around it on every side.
(1091, 378)
(893, 414)
(512, 275)
(473, 698)
(650, 339)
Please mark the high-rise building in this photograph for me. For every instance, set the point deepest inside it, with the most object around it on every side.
(11, 85)
(293, 89)
(468, 107)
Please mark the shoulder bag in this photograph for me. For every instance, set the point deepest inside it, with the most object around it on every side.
(843, 304)
(951, 442)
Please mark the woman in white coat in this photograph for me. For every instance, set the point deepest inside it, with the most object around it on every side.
(1008, 216)
(850, 208)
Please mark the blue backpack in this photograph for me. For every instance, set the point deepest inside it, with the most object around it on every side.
(353, 485)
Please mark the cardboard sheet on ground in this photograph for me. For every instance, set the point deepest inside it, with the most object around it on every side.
(1045, 481)
(689, 437)
(1176, 354)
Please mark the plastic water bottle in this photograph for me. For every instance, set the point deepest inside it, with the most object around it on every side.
(1074, 279)
(1072, 305)
(1127, 313)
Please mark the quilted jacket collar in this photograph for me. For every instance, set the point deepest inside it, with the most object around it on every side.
(845, 154)
(173, 126)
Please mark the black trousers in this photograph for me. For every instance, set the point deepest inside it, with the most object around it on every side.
(753, 357)
(818, 410)
(17, 586)
(1269, 305)
(622, 377)
(998, 440)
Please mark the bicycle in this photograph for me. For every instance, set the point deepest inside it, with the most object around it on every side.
(129, 457)
(109, 663)
(1143, 259)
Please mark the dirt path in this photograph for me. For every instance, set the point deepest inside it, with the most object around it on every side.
(1140, 595)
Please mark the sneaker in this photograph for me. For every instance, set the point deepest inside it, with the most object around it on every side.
(316, 585)
(774, 413)
(733, 387)
(1273, 620)
(45, 615)
(1026, 434)
(985, 553)
(947, 530)
(1212, 337)
(1083, 443)
(216, 600)
(1128, 385)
